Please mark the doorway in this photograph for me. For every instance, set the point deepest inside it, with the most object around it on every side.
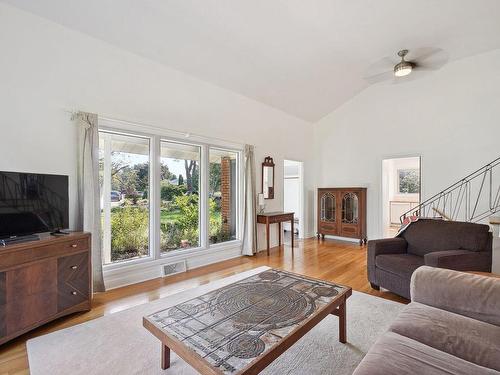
(401, 190)
(293, 189)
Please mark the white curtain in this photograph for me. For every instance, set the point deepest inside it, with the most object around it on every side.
(250, 196)
(89, 210)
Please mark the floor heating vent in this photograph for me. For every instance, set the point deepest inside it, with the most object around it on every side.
(173, 268)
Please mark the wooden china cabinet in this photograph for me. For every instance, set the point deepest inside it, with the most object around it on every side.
(342, 212)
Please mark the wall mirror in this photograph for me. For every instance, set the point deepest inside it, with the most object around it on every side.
(268, 178)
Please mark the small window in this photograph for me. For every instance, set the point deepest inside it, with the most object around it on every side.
(223, 194)
(408, 181)
(179, 196)
(124, 183)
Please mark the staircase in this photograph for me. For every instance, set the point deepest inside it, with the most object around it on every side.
(474, 198)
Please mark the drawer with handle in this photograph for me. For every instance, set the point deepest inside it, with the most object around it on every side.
(72, 279)
(328, 227)
(281, 218)
(39, 251)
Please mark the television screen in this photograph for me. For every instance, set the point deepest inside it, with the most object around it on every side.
(32, 203)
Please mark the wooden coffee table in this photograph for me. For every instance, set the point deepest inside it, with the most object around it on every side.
(242, 327)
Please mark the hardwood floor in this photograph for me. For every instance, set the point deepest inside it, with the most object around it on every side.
(342, 262)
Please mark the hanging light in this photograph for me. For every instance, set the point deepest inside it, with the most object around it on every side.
(404, 67)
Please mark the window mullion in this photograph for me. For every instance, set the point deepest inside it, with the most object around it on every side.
(204, 206)
(155, 199)
(106, 193)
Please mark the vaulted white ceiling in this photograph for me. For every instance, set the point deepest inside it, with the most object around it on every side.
(305, 57)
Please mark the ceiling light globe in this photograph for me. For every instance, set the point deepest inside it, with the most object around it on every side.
(402, 69)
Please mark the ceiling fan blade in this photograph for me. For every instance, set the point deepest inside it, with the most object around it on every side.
(429, 58)
(379, 71)
(379, 77)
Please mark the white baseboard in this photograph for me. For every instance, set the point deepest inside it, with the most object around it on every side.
(347, 239)
(116, 278)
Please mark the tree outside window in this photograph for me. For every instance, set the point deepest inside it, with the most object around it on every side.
(408, 181)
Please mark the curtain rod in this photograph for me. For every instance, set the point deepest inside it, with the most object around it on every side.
(181, 134)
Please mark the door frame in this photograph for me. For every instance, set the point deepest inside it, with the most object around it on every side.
(381, 194)
(301, 216)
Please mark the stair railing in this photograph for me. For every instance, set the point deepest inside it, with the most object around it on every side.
(473, 198)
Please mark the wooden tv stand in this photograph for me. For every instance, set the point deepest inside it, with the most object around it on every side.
(43, 280)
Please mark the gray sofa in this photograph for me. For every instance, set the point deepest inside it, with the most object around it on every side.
(451, 326)
(437, 243)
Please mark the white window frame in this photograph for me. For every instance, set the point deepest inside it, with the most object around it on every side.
(107, 192)
(200, 201)
(239, 195)
(156, 135)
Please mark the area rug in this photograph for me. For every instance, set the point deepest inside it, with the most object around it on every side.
(118, 343)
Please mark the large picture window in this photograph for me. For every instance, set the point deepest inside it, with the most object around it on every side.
(223, 195)
(179, 195)
(162, 196)
(124, 178)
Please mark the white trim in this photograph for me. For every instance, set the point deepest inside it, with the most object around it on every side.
(183, 137)
(119, 277)
(381, 197)
(155, 196)
(347, 239)
(106, 192)
(302, 194)
(204, 205)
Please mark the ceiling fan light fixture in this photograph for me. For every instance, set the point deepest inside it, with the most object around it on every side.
(403, 69)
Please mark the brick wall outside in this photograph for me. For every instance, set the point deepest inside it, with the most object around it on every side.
(225, 189)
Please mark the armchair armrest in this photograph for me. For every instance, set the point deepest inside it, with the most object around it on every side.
(475, 296)
(396, 245)
(460, 260)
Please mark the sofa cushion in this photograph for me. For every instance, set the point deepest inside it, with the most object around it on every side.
(394, 354)
(475, 296)
(467, 338)
(427, 235)
(402, 265)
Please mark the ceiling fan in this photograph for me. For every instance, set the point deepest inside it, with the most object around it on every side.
(410, 66)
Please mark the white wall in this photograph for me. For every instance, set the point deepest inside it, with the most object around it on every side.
(47, 69)
(450, 117)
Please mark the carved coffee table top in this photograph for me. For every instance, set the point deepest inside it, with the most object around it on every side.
(232, 328)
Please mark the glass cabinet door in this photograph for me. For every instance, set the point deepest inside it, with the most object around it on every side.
(328, 203)
(350, 208)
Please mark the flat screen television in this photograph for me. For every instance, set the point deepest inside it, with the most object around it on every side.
(32, 203)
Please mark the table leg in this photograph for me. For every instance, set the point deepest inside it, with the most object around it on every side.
(293, 232)
(165, 357)
(279, 234)
(342, 323)
(267, 237)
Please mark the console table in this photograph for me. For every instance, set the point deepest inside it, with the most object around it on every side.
(269, 218)
(43, 280)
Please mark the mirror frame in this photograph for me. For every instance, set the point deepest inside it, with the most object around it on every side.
(268, 162)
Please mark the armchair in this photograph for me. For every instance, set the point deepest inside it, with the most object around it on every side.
(445, 244)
